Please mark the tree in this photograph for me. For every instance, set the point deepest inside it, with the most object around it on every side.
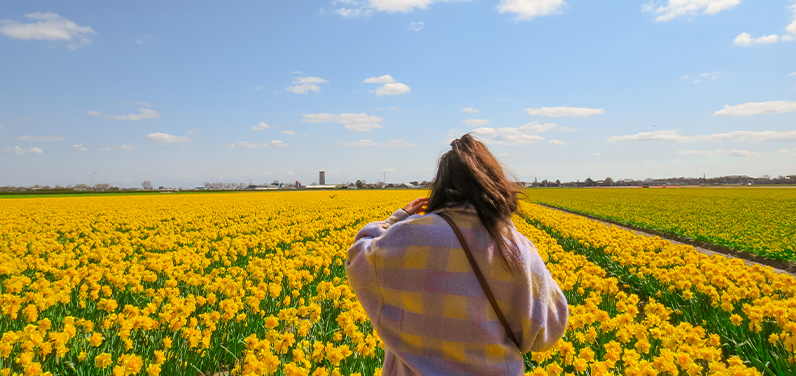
(609, 182)
(146, 185)
(414, 182)
(558, 183)
(589, 182)
(360, 184)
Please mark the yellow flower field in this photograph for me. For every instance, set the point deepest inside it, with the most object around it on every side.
(254, 283)
(755, 220)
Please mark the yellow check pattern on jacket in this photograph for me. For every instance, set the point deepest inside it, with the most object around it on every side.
(414, 281)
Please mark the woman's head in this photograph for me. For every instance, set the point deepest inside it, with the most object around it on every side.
(470, 174)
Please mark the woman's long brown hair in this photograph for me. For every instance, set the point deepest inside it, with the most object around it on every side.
(468, 173)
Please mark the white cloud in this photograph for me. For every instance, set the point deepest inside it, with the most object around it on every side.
(476, 122)
(79, 147)
(673, 136)
(530, 9)
(506, 136)
(564, 111)
(303, 88)
(713, 75)
(261, 126)
(556, 142)
(363, 143)
(745, 39)
(597, 155)
(48, 26)
(309, 80)
(385, 79)
(118, 148)
(677, 8)
(403, 6)
(289, 133)
(416, 26)
(783, 151)
(167, 138)
(392, 89)
(40, 138)
(144, 113)
(536, 127)
(248, 145)
(399, 144)
(359, 143)
(20, 151)
(567, 128)
(792, 74)
(697, 81)
(258, 88)
(733, 153)
(357, 122)
(684, 77)
(354, 12)
(303, 85)
(279, 144)
(757, 108)
(470, 110)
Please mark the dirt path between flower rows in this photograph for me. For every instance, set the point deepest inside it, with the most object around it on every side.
(749, 259)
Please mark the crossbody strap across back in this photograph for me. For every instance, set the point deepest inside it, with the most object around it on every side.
(481, 279)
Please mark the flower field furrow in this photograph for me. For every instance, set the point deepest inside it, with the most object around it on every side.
(755, 220)
(609, 334)
(752, 308)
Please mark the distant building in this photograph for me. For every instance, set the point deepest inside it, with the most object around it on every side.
(322, 178)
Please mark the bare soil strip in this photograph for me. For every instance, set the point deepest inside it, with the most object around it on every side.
(709, 249)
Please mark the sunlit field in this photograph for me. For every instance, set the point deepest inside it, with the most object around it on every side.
(754, 220)
(254, 284)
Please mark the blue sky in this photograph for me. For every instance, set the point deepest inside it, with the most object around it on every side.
(180, 93)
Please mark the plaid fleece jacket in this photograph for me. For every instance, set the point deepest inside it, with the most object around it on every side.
(412, 277)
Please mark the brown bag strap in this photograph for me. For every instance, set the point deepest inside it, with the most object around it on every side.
(481, 278)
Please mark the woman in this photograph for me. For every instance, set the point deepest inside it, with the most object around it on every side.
(413, 277)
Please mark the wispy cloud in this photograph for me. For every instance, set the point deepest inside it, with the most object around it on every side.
(48, 26)
(289, 133)
(365, 143)
(733, 153)
(674, 136)
(361, 122)
(679, 8)
(303, 85)
(118, 148)
(745, 39)
(385, 79)
(165, 138)
(390, 87)
(20, 151)
(757, 108)
(144, 113)
(470, 110)
(248, 145)
(476, 122)
(261, 126)
(564, 111)
(530, 9)
(416, 26)
(522, 135)
(79, 147)
(556, 142)
(40, 138)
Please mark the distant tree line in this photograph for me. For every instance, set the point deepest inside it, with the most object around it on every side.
(721, 180)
